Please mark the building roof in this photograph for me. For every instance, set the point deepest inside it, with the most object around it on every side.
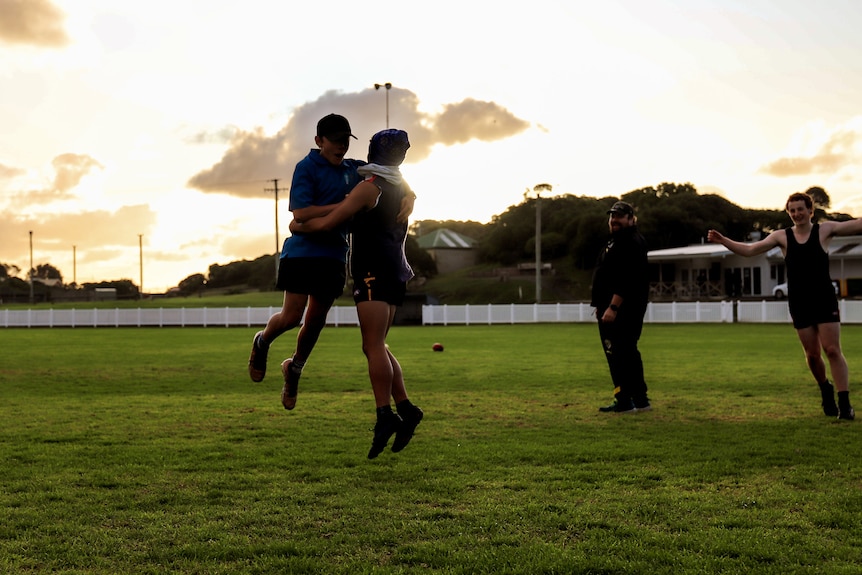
(688, 252)
(445, 238)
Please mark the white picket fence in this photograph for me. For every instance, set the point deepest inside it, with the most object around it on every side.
(671, 312)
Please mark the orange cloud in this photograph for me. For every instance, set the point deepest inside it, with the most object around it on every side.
(8, 172)
(836, 153)
(32, 22)
(69, 170)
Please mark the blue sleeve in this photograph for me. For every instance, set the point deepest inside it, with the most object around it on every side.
(301, 187)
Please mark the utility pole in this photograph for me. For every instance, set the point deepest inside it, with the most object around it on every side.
(31, 267)
(538, 189)
(277, 236)
(141, 263)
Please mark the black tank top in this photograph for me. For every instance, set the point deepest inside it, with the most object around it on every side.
(807, 269)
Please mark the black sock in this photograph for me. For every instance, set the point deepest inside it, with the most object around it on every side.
(844, 398)
(404, 407)
(383, 412)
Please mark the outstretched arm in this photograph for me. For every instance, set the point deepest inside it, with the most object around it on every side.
(848, 228)
(771, 241)
(362, 197)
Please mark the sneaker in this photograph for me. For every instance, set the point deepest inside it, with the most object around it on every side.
(827, 395)
(291, 384)
(625, 406)
(383, 430)
(257, 359)
(407, 429)
(849, 414)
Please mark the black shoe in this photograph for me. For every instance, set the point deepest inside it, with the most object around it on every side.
(619, 406)
(849, 414)
(385, 428)
(827, 395)
(642, 405)
(257, 359)
(408, 428)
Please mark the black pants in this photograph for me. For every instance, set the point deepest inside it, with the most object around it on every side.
(620, 342)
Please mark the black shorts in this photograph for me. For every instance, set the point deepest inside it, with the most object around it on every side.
(373, 288)
(319, 277)
(814, 312)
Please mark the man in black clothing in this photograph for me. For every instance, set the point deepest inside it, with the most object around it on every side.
(620, 294)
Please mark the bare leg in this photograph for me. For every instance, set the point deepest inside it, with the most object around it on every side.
(810, 339)
(830, 340)
(315, 321)
(375, 317)
(288, 318)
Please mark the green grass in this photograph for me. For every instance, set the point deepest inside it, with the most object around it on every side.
(150, 451)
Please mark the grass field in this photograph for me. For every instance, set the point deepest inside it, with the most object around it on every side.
(149, 451)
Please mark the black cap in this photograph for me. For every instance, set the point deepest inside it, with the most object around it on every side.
(334, 127)
(622, 208)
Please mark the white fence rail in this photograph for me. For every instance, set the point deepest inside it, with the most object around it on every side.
(675, 312)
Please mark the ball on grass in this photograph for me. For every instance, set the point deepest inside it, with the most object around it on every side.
(437, 347)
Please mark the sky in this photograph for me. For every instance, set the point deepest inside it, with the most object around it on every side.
(151, 134)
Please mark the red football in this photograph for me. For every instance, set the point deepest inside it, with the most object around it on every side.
(437, 347)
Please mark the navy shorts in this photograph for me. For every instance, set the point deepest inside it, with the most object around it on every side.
(319, 277)
(373, 288)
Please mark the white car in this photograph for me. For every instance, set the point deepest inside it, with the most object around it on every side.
(780, 291)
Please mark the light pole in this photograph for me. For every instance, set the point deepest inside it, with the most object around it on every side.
(75, 265)
(31, 267)
(538, 189)
(141, 263)
(388, 86)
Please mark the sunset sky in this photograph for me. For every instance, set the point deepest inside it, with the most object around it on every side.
(168, 120)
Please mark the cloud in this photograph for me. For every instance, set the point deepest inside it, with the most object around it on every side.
(69, 170)
(98, 235)
(253, 157)
(474, 119)
(221, 136)
(32, 22)
(840, 150)
(8, 172)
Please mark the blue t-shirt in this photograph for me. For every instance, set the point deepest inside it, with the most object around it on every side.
(316, 182)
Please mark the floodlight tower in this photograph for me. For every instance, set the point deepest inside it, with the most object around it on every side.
(388, 86)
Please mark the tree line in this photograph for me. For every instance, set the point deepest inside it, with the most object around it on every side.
(574, 230)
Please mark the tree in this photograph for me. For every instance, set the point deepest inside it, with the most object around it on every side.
(193, 284)
(420, 260)
(8, 271)
(47, 272)
(820, 197)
